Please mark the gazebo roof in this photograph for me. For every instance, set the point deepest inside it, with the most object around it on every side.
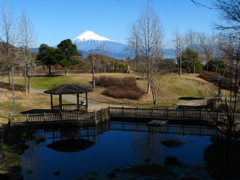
(68, 89)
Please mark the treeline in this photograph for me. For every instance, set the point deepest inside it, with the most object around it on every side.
(67, 56)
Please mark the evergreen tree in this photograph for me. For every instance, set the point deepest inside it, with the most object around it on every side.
(46, 56)
(191, 60)
(67, 54)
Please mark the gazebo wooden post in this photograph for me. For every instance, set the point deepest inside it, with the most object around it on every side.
(86, 102)
(51, 97)
(60, 103)
(78, 106)
(68, 89)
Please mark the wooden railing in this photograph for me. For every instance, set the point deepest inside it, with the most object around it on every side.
(174, 114)
(161, 114)
(71, 107)
(64, 116)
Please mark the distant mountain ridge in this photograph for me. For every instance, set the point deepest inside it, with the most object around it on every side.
(90, 42)
(88, 36)
(94, 43)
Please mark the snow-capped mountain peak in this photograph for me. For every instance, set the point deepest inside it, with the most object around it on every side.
(88, 36)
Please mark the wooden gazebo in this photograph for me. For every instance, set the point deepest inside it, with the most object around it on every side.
(69, 89)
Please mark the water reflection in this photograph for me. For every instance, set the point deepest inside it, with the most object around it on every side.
(73, 153)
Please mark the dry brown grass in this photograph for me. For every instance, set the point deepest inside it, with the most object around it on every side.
(172, 88)
(23, 103)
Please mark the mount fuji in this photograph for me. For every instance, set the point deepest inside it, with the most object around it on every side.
(90, 42)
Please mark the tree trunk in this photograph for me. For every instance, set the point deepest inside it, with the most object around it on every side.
(25, 81)
(217, 67)
(49, 69)
(9, 78)
(29, 85)
(93, 79)
(149, 88)
(155, 100)
(66, 71)
(180, 66)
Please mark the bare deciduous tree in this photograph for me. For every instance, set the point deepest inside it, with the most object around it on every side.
(229, 12)
(206, 44)
(191, 40)
(103, 50)
(179, 47)
(26, 41)
(146, 41)
(155, 86)
(92, 59)
(8, 36)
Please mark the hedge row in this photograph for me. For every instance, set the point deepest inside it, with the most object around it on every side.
(8, 86)
(120, 87)
(207, 75)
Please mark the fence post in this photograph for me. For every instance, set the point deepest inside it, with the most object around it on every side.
(61, 116)
(200, 114)
(77, 115)
(9, 118)
(108, 110)
(95, 116)
(183, 112)
(27, 117)
(122, 111)
(44, 117)
(167, 113)
(102, 113)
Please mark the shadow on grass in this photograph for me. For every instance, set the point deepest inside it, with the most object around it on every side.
(190, 98)
(38, 111)
(48, 75)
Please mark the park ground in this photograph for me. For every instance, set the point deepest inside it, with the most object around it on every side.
(173, 89)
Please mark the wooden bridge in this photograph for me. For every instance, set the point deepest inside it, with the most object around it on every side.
(97, 117)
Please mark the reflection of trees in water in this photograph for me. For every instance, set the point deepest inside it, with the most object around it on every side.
(32, 160)
(150, 148)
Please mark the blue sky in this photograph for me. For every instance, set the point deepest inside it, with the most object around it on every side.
(57, 20)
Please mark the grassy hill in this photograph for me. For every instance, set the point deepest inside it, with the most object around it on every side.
(172, 88)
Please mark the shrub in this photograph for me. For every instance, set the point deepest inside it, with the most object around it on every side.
(120, 87)
(213, 77)
(206, 75)
(9, 87)
(123, 92)
(105, 81)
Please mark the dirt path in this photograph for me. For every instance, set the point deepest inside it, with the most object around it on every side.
(92, 104)
(96, 105)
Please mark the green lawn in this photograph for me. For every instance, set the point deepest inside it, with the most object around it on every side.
(51, 82)
(172, 88)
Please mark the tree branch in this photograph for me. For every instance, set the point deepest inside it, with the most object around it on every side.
(200, 4)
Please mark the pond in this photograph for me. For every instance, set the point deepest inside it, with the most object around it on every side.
(116, 150)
